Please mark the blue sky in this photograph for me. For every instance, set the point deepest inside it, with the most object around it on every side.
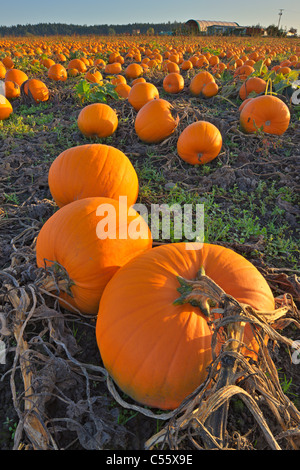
(264, 12)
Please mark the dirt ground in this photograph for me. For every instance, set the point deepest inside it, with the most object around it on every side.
(56, 351)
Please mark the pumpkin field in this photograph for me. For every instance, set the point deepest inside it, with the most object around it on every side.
(149, 341)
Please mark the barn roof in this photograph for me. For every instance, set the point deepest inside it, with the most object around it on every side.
(202, 25)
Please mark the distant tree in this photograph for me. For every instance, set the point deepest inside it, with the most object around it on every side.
(274, 31)
(150, 32)
(111, 32)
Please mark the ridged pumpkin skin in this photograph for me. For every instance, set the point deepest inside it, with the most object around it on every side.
(158, 352)
(199, 143)
(70, 238)
(156, 121)
(5, 108)
(97, 120)
(266, 112)
(92, 170)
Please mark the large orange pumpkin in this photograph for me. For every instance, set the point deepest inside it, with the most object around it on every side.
(156, 121)
(158, 351)
(90, 253)
(268, 113)
(199, 143)
(92, 170)
(97, 120)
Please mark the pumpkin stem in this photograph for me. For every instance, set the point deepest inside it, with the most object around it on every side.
(57, 279)
(201, 292)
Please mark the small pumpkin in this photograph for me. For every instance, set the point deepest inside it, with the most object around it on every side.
(5, 108)
(141, 93)
(92, 170)
(156, 121)
(199, 143)
(16, 75)
(97, 120)
(12, 90)
(210, 89)
(156, 349)
(71, 238)
(94, 76)
(253, 84)
(268, 113)
(133, 71)
(2, 71)
(58, 73)
(199, 81)
(173, 83)
(123, 90)
(77, 64)
(114, 69)
(36, 90)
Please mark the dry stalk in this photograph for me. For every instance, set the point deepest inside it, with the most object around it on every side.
(202, 417)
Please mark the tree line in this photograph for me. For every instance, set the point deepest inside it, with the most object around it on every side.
(62, 29)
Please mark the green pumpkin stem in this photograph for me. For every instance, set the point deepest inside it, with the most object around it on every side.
(201, 292)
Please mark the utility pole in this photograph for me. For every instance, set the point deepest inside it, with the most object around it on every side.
(280, 15)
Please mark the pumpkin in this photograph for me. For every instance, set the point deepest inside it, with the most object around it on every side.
(253, 84)
(15, 75)
(118, 79)
(74, 239)
(72, 72)
(2, 71)
(5, 108)
(113, 69)
(156, 349)
(97, 120)
(123, 90)
(92, 170)
(47, 62)
(94, 76)
(210, 89)
(8, 62)
(156, 121)
(141, 93)
(77, 64)
(173, 83)
(268, 113)
(57, 72)
(199, 143)
(133, 71)
(186, 65)
(12, 90)
(199, 81)
(36, 89)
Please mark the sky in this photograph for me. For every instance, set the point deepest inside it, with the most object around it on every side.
(93, 12)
